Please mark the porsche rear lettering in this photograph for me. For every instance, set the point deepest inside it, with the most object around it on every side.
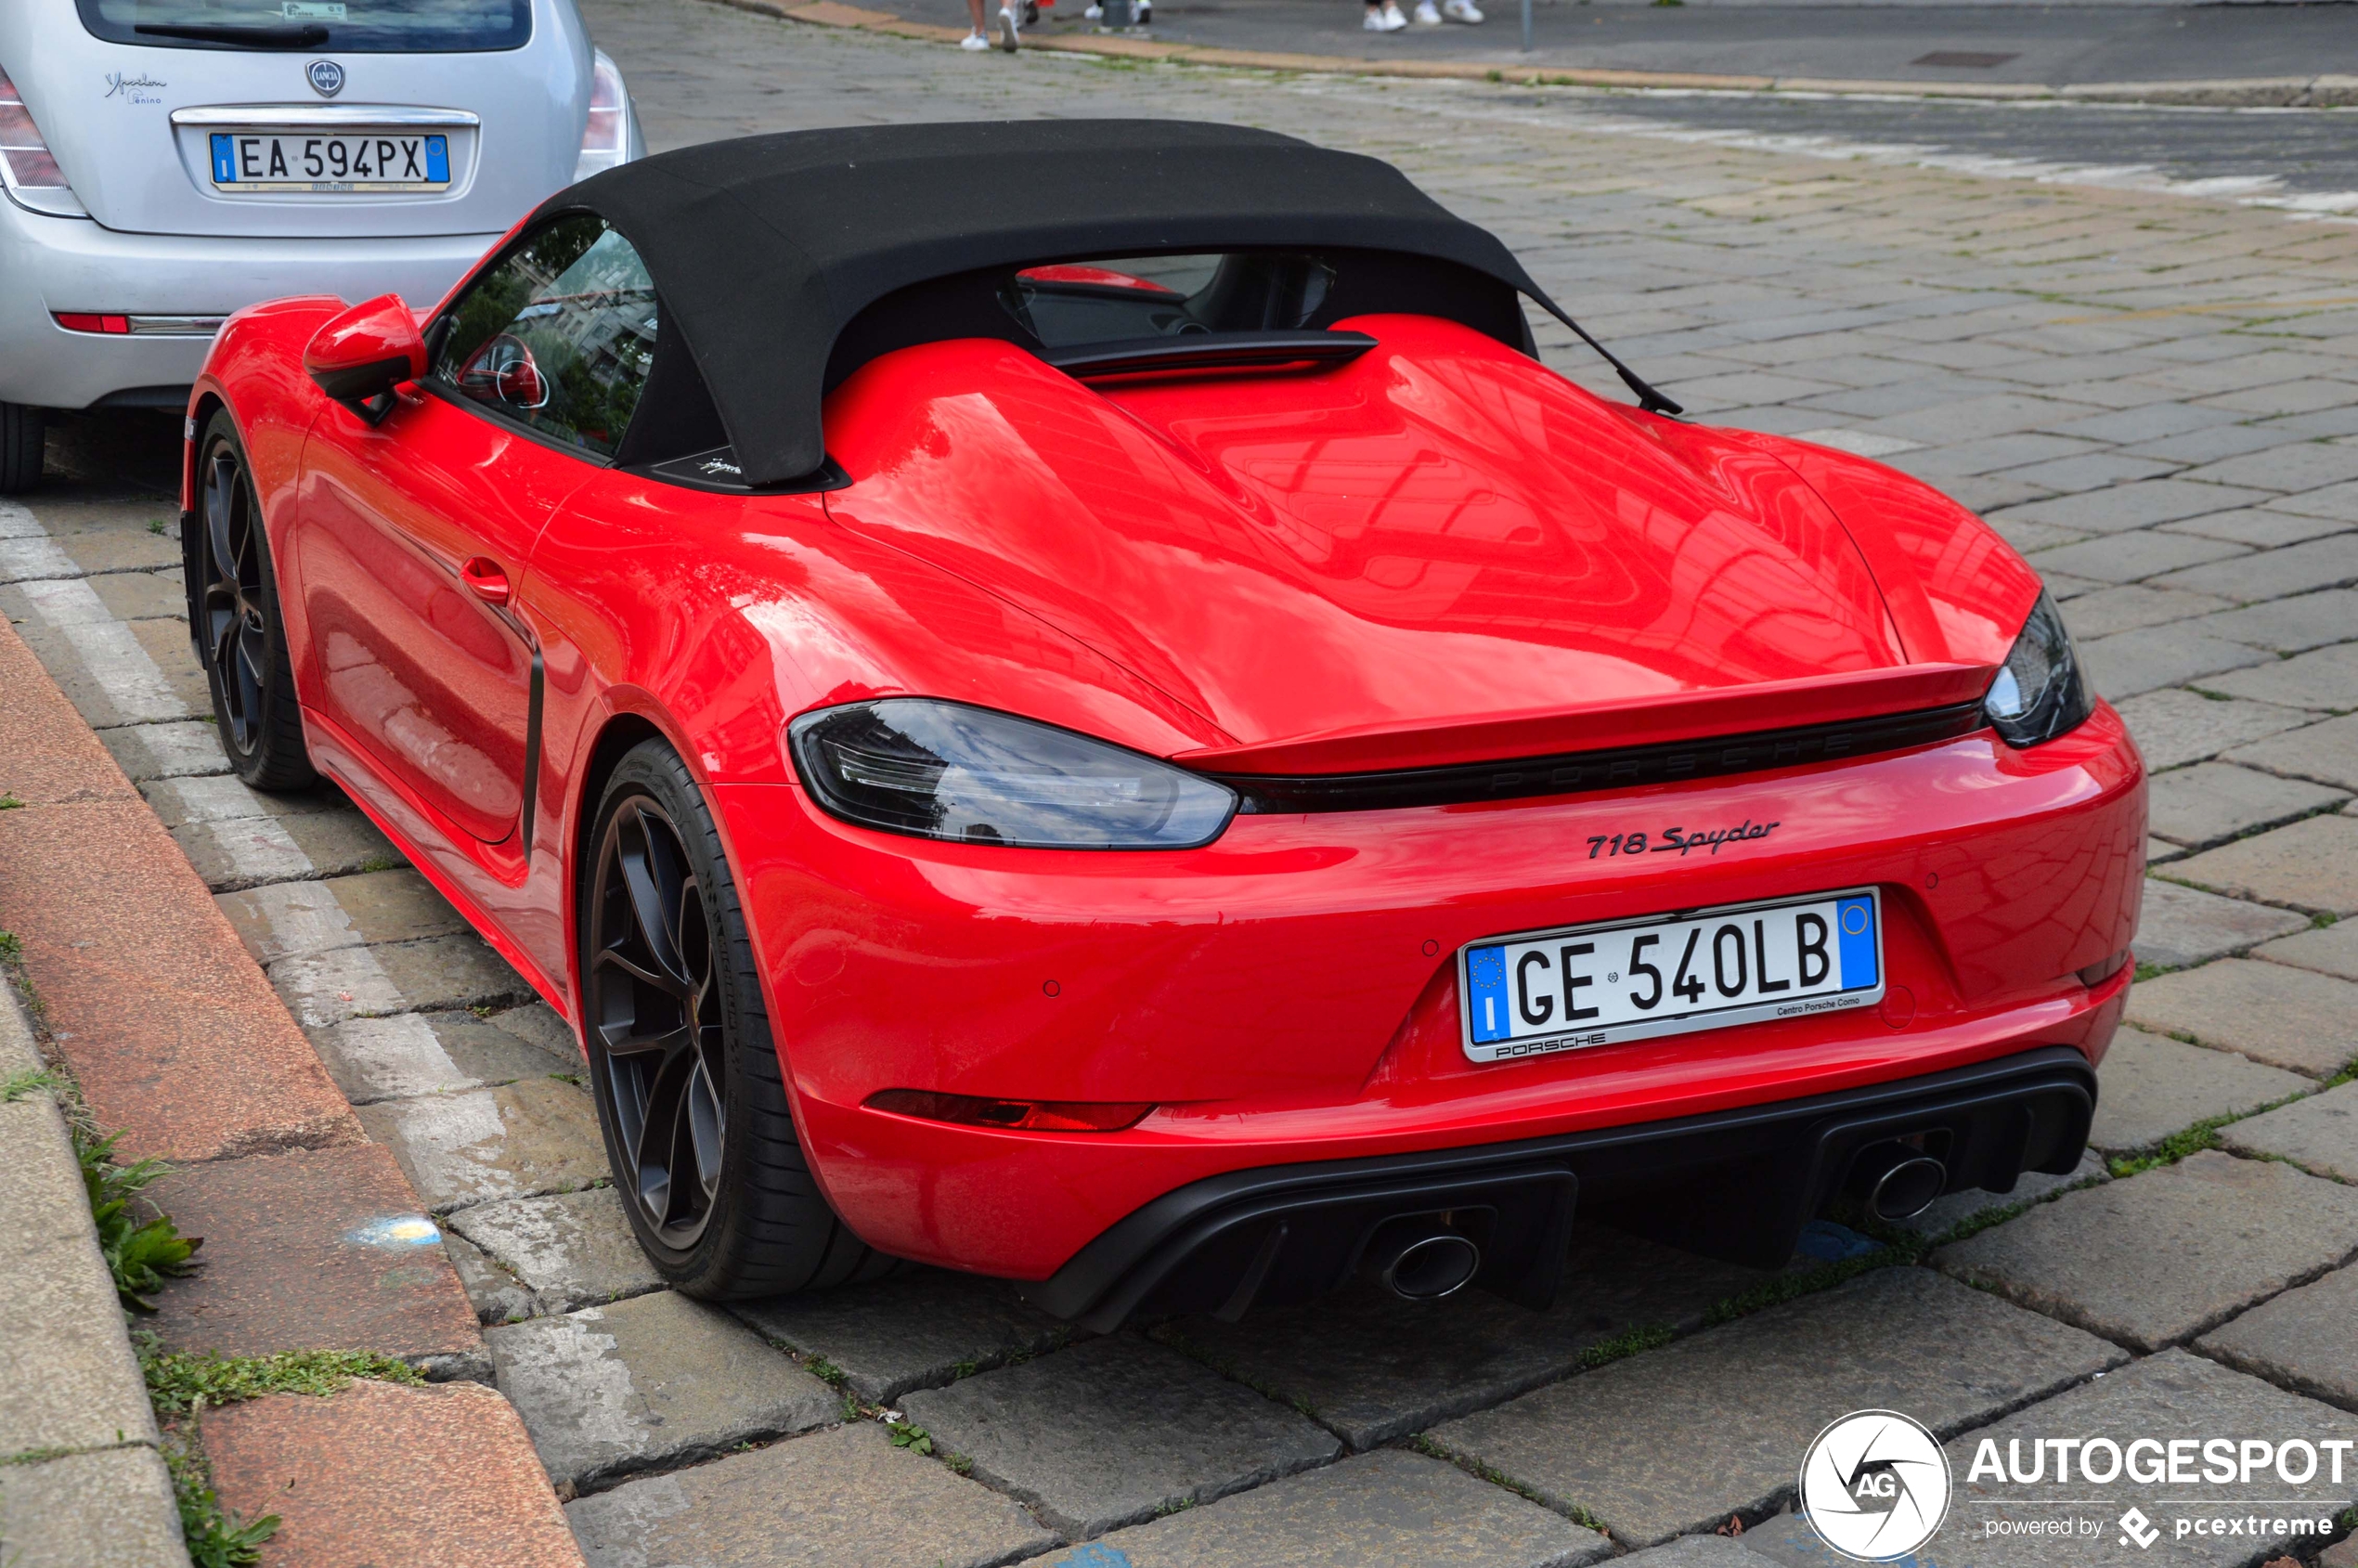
(1679, 838)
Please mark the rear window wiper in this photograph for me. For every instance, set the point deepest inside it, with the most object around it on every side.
(1208, 351)
(260, 35)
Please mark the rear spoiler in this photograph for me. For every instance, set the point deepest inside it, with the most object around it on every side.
(1777, 705)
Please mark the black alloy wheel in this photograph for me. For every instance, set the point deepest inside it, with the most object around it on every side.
(233, 596)
(656, 1008)
(690, 1090)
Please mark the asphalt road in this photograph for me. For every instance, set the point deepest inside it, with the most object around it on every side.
(2054, 45)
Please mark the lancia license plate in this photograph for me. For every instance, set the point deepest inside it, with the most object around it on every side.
(1669, 973)
(348, 160)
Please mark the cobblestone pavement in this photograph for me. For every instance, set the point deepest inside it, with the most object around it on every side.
(2155, 396)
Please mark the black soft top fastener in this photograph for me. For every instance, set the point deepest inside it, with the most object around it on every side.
(764, 248)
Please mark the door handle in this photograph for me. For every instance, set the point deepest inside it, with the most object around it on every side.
(485, 580)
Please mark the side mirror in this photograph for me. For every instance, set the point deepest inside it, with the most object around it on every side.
(360, 356)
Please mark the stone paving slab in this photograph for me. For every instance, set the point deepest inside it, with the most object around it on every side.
(2181, 926)
(323, 989)
(413, 1054)
(1392, 1507)
(2331, 950)
(1620, 1440)
(2293, 624)
(2326, 752)
(573, 1249)
(2319, 1133)
(843, 1499)
(1114, 1430)
(2175, 727)
(2301, 1341)
(497, 1296)
(2169, 1395)
(438, 1477)
(920, 1328)
(1372, 1367)
(649, 1382)
(2149, 1086)
(171, 1030)
(108, 1509)
(2287, 1017)
(245, 851)
(175, 750)
(2326, 677)
(2212, 802)
(2311, 865)
(180, 802)
(1698, 1551)
(534, 1136)
(317, 1249)
(2163, 1256)
(2128, 663)
(68, 1378)
(2034, 1187)
(109, 674)
(297, 919)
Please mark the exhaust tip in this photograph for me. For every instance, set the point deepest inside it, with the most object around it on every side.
(1908, 1188)
(1432, 1266)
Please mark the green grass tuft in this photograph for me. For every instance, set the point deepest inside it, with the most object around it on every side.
(1633, 1342)
(180, 1382)
(10, 803)
(140, 1255)
(909, 1435)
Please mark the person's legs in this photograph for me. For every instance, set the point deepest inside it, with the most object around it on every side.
(980, 38)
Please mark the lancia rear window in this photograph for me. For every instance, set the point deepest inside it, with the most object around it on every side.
(352, 27)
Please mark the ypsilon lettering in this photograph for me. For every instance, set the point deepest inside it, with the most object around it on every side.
(1679, 838)
(120, 86)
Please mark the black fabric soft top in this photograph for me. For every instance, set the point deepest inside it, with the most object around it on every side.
(764, 248)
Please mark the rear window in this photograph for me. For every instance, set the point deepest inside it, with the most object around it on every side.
(353, 27)
(1073, 304)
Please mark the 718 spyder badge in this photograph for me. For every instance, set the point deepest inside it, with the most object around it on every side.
(1676, 838)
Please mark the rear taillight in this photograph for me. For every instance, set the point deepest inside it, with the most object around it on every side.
(606, 140)
(30, 173)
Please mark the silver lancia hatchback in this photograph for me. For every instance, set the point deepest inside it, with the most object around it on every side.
(166, 162)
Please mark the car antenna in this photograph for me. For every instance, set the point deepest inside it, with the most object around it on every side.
(1649, 400)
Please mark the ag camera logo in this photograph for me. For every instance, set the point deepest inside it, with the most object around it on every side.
(1875, 1486)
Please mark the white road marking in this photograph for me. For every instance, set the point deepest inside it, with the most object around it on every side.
(22, 560)
(327, 988)
(16, 522)
(216, 800)
(1572, 112)
(106, 648)
(260, 849)
(176, 750)
(304, 918)
(393, 1059)
(453, 1144)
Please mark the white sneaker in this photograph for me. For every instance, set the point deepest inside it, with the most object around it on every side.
(1428, 14)
(1093, 13)
(1007, 30)
(1388, 19)
(1461, 10)
(1146, 14)
(974, 41)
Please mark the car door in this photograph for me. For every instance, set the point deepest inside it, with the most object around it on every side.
(419, 531)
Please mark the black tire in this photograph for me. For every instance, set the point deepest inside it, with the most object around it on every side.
(689, 1094)
(241, 640)
(21, 435)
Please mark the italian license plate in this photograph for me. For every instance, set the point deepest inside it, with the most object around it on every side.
(1669, 973)
(359, 160)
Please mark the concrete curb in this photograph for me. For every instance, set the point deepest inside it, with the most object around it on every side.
(2327, 91)
(89, 1487)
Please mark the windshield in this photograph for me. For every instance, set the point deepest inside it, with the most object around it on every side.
(357, 27)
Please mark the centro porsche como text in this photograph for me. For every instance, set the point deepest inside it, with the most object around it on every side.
(166, 162)
(1123, 732)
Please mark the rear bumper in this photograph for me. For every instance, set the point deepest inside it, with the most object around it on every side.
(74, 265)
(1738, 1185)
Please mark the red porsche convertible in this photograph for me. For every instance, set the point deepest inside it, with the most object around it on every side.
(1123, 732)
